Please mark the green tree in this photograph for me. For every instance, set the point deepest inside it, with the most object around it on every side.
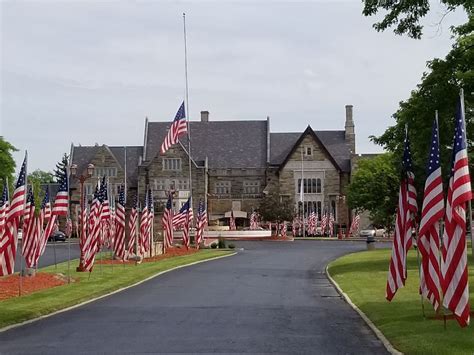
(374, 188)
(61, 166)
(438, 90)
(38, 178)
(274, 209)
(405, 15)
(7, 163)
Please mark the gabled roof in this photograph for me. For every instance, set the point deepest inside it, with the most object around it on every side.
(83, 155)
(282, 145)
(227, 144)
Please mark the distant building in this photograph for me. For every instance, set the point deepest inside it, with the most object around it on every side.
(233, 163)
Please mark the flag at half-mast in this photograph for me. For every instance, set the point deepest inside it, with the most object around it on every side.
(403, 225)
(428, 236)
(177, 129)
(454, 264)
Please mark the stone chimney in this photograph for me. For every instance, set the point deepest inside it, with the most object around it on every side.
(350, 129)
(204, 116)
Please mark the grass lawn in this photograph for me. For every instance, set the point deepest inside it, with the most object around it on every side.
(363, 277)
(18, 309)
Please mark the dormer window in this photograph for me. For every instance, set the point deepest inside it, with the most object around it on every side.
(308, 151)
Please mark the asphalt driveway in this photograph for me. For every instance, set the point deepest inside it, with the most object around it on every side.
(273, 297)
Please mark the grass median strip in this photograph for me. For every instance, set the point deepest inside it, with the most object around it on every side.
(363, 276)
(101, 282)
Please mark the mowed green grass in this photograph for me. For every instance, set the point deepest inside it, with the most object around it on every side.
(363, 277)
(104, 279)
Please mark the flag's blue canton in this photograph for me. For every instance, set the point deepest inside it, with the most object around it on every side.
(63, 182)
(181, 113)
(103, 190)
(460, 133)
(200, 207)
(96, 192)
(122, 195)
(135, 202)
(185, 207)
(168, 204)
(407, 162)
(4, 195)
(30, 198)
(150, 200)
(22, 176)
(45, 199)
(434, 163)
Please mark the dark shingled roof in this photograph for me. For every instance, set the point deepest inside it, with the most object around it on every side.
(83, 155)
(334, 141)
(227, 144)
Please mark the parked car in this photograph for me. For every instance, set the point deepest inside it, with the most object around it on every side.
(372, 231)
(57, 236)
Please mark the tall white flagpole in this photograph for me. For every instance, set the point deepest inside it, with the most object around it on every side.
(188, 114)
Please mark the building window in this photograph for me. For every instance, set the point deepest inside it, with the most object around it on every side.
(251, 187)
(172, 164)
(182, 184)
(105, 171)
(159, 184)
(310, 186)
(308, 151)
(88, 189)
(222, 187)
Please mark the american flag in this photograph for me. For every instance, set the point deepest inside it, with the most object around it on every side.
(186, 238)
(119, 244)
(8, 240)
(253, 220)
(283, 229)
(355, 225)
(201, 223)
(312, 220)
(132, 225)
(45, 213)
(142, 241)
(403, 226)
(331, 224)
(3, 209)
(454, 264)
(83, 235)
(61, 203)
(428, 236)
(294, 226)
(180, 218)
(232, 226)
(104, 199)
(68, 227)
(167, 222)
(151, 218)
(92, 241)
(177, 129)
(29, 243)
(324, 223)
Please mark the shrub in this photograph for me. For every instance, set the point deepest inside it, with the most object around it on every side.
(231, 246)
(221, 243)
(214, 245)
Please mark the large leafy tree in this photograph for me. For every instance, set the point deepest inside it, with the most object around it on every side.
(374, 188)
(274, 209)
(38, 178)
(438, 90)
(7, 163)
(405, 15)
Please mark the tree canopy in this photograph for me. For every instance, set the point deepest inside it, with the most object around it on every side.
(7, 163)
(374, 188)
(405, 15)
(61, 167)
(273, 209)
(438, 90)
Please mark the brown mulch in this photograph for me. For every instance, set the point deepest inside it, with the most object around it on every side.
(170, 252)
(9, 285)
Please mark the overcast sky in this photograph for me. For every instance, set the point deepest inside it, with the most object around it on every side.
(90, 71)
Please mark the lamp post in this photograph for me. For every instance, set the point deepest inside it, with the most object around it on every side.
(82, 179)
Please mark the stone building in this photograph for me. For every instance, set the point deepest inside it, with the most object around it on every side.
(233, 164)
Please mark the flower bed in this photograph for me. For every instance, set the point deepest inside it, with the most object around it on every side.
(9, 285)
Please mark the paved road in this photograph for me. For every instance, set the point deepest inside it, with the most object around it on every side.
(272, 297)
(61, 249)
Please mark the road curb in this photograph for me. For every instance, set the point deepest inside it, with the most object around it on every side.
(110, 293)
(371, 325)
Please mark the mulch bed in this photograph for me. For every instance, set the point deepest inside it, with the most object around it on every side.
(9, 285)
(170, 252)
